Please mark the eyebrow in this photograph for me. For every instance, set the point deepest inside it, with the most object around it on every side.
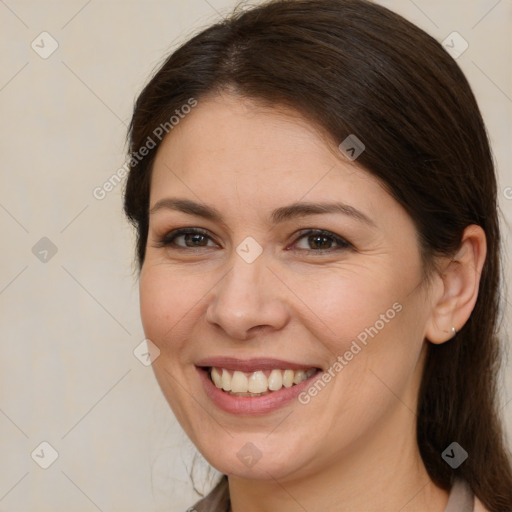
(295, 210)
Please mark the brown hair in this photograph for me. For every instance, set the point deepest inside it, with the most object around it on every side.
(353, 67)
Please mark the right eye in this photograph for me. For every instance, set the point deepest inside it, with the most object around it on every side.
(187, 238)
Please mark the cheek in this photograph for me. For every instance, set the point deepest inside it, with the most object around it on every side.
(370, 319)
(349, 301)
(165, 302)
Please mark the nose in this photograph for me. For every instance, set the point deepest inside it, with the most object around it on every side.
(248, 300)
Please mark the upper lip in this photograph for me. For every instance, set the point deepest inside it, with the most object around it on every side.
(252, 365)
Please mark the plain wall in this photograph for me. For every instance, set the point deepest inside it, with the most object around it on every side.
(69, 325)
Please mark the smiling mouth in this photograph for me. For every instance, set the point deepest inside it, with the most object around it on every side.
(257, 383)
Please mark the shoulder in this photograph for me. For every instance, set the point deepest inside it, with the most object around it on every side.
(479, 506)
(462, 497)
(216, 501)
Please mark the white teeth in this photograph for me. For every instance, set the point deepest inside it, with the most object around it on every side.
(239, 383)
(275, 380)
(216, 377)
(257, 383)
(299, 376)
(226, 380)
(288, 376)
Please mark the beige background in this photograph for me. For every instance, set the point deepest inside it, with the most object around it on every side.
(68, 375)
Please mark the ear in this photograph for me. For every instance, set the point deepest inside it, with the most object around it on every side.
(456, 288)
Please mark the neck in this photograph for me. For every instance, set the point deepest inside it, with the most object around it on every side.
(383, 472)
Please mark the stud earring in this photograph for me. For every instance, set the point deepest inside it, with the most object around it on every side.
(454, 332)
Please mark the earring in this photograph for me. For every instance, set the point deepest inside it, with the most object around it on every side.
(454, 332)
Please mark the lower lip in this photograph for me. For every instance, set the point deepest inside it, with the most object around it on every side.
(249, 406)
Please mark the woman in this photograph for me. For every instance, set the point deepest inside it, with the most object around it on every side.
(315, 203)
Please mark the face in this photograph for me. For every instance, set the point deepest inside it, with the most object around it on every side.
(289, 276)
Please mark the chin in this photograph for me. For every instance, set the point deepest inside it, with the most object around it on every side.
(256, 457)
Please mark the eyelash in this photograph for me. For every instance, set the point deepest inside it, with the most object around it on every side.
(169, 239)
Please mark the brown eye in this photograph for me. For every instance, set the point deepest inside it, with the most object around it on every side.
(187, 238)
(194, 240)
(319, 240)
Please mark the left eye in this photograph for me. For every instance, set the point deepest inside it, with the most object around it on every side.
(319, 240)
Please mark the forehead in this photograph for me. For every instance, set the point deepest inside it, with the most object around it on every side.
(236, 129)
(230, 150)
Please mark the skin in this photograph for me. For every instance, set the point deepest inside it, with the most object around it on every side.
(353, 446)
